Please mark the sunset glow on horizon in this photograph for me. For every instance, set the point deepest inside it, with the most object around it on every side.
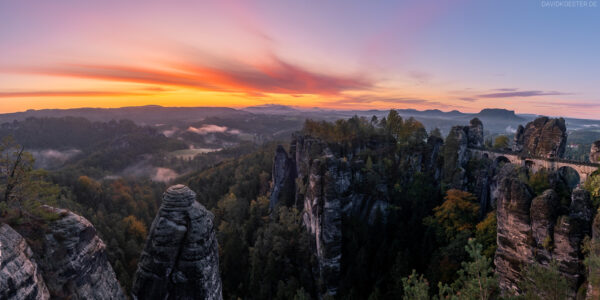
(465, 55)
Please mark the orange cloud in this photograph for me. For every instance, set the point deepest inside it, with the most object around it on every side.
(275, 76)
(65, 94)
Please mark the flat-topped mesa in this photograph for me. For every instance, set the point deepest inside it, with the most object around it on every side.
(180, 259)
(543, 137)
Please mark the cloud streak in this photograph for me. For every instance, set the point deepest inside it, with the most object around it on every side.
(511, 94)
(273, 76)
(33, 94)
(387, 100)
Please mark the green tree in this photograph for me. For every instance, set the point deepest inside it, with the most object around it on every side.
(24, 189)
(539, 181)
(592, 185)
(543, 282)
(501, 142)
(476, 279)
(415, 287)
(485, 234)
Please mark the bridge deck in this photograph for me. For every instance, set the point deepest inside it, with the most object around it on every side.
(525, 157)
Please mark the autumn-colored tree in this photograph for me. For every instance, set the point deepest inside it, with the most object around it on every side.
(485, 234)
(457, 214)
(501, 142)
(135, 228)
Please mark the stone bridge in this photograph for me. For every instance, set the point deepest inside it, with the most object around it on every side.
(583, 169)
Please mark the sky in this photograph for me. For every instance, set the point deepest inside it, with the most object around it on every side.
(531, 56)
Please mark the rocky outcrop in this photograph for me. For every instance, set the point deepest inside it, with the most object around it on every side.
(595, 152)
(74, 262)
(530, 230)
(475, 133)
(284, 175)
(593, 278)
(457, 154)
(513, 229)
(180, 259)
(569, 233)
(331, 182)
(543, 137)
(20, 277)
(69, 255)
(544, 211)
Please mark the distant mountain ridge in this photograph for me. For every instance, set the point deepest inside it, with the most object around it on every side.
(497, 120)
(145, 115)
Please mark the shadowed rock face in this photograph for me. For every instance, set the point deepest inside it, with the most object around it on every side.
(20, 277)
(530, 230)
(542, 137)
(329, 183)
(514, 228)
(457, 154)
(74, 264)
(475, 133)
(71, 264)
(593, 288)
(180, 259)
(284, 174)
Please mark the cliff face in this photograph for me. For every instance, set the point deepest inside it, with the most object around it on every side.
(595, 152)
(284, 174)
(331, 182)
(180, 259)
(457, 154)
(72, 262)
(593, 288)
(543, 137)
(20, 277)
(76, 258)
(530, 230)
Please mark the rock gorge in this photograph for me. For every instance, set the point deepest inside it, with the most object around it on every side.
(326, 178)
(329, 183)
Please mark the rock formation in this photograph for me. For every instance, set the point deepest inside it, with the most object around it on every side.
(457, 154)
(180, 259)
(595, 152)
(330, 183)
(71, 259)
(284, 174)
(593, 278)
(74, 263)
(475, 133)
(530, 230)
(513, 229)
(543, 137)
(20, 277)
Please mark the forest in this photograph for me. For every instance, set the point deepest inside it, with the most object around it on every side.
(432, 241)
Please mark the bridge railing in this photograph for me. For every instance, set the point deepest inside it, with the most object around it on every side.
(525, 157)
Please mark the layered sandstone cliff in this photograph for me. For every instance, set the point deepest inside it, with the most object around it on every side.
(20, 276)
(535, 230)
(180, 259)
(543, 137)
(331, 182)
(69, 262)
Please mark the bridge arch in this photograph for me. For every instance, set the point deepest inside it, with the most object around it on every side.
(570, 175)
(501, 160)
